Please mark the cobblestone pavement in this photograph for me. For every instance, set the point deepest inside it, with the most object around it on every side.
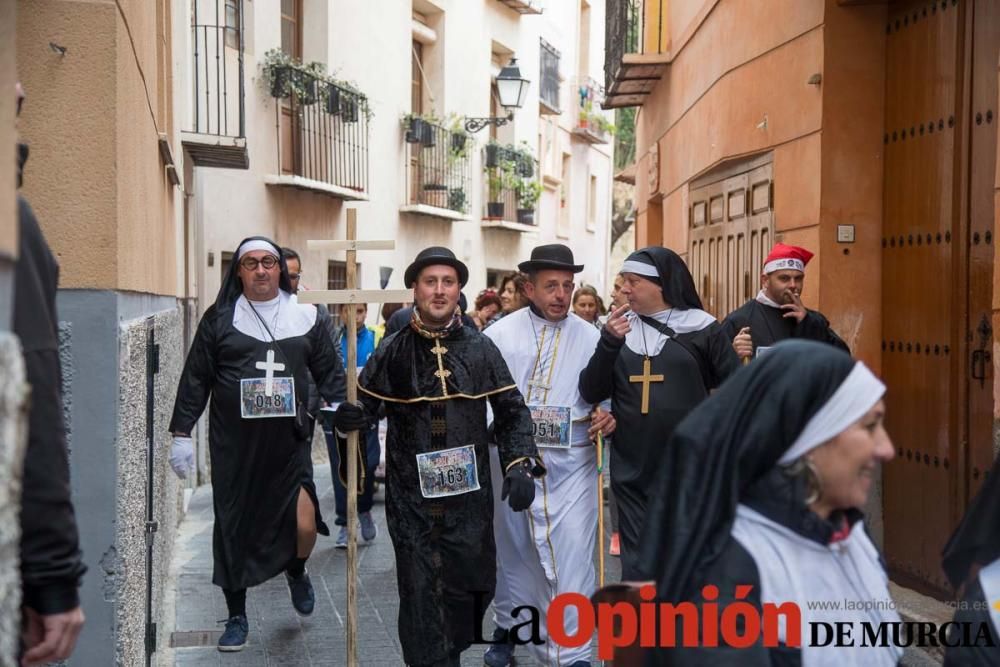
(277, 635)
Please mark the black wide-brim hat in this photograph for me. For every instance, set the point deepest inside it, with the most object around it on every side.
(548, 257)
(430, 257)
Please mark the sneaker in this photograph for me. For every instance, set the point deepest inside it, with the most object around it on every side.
(235, 636)
(369, 531)
(301, 591)
(341, 542)
(616, 545)
(499, 655)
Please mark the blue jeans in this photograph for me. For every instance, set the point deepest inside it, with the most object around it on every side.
(365, 499)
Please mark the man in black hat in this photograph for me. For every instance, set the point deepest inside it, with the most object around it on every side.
(435, 379)
(656, 362)
(546, 347)
(257, 353)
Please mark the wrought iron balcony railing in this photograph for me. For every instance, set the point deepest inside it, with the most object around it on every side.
(322, 133)
(214, 132)
(439, 168)
(636, 46)
(549, 82)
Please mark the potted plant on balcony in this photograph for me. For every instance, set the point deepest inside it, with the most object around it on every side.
(413, 126)
(528, 194)
(499, 178)
(332, 99)
(493, 154)
(525, 161)
(457, 200)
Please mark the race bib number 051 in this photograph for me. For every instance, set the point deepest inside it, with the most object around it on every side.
(550, 425)
(256, 404)
(449, 472)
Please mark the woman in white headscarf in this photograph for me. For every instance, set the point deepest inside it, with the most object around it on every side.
(763, 486)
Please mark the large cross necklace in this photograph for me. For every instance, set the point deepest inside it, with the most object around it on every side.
(538, 371)
(647, 377)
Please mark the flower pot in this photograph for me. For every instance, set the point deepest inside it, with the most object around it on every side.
(526, 216)
(494, 210)
(279, 82)
(457, 142)
(525, 167)
(332, 99)
(427, 138)
(308, 85)
(349, 109)
(492, 155)
(415, 131)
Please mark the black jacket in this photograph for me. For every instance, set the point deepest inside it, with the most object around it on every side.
(51, 562)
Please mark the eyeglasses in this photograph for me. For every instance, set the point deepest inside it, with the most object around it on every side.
(250, 263)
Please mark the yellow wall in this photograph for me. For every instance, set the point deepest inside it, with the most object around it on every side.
(95, 176)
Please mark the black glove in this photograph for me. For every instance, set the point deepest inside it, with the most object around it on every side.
(520, 486)
(350, 417)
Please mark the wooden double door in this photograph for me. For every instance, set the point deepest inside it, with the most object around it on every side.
(940, 148)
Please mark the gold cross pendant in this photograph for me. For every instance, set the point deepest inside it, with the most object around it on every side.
(645, 379)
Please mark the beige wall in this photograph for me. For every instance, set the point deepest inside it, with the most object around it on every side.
(92, 119)
(8, 77)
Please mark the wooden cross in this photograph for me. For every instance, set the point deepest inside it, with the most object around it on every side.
(269, 366)
(352, 295)
(645, 379)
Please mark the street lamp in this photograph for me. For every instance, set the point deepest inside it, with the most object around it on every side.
(512, 89)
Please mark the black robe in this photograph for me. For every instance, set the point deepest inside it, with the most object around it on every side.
(258, 465)
(692, 364)
(444, 547)
(769, 326)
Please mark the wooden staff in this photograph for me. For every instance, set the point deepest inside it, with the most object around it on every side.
(352, 452)
(600, 507)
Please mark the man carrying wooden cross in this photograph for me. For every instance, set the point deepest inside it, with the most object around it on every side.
(254, 353)
(656, 363)
(434, 379)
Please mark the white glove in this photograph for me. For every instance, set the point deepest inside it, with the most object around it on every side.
(182, 456)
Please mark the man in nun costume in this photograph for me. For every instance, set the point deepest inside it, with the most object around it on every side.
(254, 354)
(972, 563)
(656, 363)
(765, 492)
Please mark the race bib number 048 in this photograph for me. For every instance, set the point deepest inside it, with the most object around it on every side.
(449, 472)
(256, 404)
(550, 425)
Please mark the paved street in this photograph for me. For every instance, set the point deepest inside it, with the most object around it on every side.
(277, 635)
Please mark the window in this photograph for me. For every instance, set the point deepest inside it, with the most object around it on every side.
(233, 12)
(291, 27)
(417, 79)
(548, 88)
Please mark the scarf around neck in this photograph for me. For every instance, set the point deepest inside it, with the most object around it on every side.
(454, 325)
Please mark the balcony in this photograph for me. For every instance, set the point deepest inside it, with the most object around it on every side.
(591, 125)
(524, 6)
(512, 191)
(549, 80)
(439, 178)
(214, 131)
(637, 50)
(321, 127)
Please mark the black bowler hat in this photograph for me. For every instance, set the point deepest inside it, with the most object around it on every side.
(553, 256)
(430, 257)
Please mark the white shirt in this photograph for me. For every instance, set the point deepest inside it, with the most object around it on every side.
(283, 315)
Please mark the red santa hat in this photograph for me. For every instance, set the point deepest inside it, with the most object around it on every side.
(786, 257)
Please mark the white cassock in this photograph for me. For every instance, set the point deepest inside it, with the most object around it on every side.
(548, 549)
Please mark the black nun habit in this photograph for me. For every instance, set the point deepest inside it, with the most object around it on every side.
(258, 464)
